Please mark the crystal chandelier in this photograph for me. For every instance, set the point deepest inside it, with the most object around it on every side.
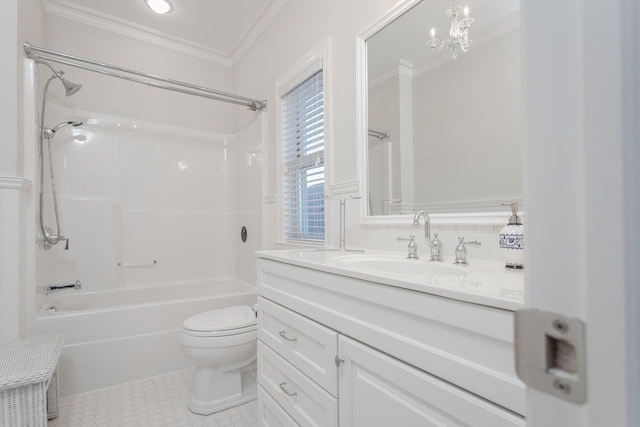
(458, 40)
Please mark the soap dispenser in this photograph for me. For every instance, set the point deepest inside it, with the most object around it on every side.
(512, 239)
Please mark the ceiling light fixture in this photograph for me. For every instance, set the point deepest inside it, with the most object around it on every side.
(159, 6)
(458, 40)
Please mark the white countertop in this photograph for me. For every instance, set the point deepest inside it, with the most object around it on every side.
(484, 282)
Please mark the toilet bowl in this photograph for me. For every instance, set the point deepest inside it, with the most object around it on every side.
(222, 344)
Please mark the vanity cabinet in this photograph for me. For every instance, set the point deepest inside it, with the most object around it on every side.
(337, 350)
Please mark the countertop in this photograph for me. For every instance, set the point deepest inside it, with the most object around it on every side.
(484, 282)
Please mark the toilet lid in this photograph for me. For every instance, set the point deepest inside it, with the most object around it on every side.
(223, 319)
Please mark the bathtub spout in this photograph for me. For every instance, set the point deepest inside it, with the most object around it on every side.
(56, 288)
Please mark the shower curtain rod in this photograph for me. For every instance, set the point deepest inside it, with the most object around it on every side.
(41, 54)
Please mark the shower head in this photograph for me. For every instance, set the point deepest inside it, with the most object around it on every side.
(70, 88)
(50, 132)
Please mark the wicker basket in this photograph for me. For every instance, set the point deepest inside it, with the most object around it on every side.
(26, 367)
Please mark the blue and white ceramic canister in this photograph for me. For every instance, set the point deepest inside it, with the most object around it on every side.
(512, 240)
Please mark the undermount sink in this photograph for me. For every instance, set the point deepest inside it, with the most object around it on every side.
(395, 265)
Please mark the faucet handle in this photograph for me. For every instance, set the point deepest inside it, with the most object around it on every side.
(474, 243)
(412, 247)
(461, 250)
(436, 248)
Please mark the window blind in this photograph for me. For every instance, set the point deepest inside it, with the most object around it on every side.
(303, 160)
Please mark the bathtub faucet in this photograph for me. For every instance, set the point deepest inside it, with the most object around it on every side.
(56, 288)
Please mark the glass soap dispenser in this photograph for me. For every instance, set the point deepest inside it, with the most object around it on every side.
(512, 239)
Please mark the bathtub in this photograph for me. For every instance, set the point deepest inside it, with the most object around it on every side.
(131, 333)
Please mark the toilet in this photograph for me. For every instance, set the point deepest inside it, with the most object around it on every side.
(222, 344)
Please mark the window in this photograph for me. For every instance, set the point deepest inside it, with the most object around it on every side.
(303, 160)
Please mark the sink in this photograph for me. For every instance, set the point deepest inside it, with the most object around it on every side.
(399, 266)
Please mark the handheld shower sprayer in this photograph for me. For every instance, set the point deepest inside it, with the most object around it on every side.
(48, 237)
(51, 132)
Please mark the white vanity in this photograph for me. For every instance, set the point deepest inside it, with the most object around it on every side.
(371, 340)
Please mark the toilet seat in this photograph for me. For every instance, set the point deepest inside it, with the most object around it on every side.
(238, 331)
(222, 322)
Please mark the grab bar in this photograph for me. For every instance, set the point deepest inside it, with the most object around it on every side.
(142, 264)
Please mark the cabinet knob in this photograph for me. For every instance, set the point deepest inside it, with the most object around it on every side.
(339, 361)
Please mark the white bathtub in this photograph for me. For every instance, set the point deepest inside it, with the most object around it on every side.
(117, 336)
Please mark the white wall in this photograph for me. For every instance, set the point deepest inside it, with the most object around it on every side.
(468, 126)
(246, 170)
(19, 20)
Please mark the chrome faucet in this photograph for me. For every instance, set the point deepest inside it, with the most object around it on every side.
(461, 250)
(57, 288)
(435, 245)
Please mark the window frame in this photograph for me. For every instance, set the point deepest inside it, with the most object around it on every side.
(314, 61)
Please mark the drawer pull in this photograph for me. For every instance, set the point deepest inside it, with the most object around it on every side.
(283, 334)
(339, 361)
(287, 392)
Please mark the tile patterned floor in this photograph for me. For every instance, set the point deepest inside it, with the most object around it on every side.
(152, 402)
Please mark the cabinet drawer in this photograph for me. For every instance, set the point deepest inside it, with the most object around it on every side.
(307, 345)
(270, 414)
(301, 398)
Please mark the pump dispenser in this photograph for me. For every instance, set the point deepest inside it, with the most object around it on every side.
(512, 239)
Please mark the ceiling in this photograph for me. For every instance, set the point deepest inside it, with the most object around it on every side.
(218, 30)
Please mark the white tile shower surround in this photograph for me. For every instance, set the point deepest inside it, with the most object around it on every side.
(159, 401)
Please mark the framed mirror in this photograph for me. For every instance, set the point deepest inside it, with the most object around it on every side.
(440, 111)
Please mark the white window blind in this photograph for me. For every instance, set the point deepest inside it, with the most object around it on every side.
(303, 160)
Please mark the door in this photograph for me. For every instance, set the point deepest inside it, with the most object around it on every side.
(582, 156)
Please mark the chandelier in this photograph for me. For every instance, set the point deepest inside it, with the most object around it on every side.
(458, 41)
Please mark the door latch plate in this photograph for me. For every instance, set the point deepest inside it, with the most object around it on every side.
(550, 354)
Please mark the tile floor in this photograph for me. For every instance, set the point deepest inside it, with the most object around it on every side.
(152, 402)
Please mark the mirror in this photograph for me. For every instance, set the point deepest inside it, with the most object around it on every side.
(444, 134)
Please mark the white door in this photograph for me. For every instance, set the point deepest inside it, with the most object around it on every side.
(581, 68)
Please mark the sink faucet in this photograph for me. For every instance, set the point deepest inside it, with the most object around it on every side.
(56, 288)
(435, 245)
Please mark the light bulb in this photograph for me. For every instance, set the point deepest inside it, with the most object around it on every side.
(159, 6)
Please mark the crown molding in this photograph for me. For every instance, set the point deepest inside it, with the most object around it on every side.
(15, 183)
(254, 31)
(87, 16)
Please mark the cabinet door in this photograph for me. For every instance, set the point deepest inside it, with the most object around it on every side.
(378, 390)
